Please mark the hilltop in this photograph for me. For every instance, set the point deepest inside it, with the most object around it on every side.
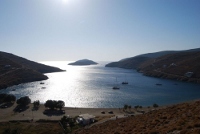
(178, 65)
(16, 70)
(83, 62)
(135, 62)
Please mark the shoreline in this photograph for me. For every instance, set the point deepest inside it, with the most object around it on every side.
(7, 114)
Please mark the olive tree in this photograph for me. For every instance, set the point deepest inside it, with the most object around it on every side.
(24, 101)
(60, 104)
(51, 104)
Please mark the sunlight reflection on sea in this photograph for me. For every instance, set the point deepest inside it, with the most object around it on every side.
(91, 86)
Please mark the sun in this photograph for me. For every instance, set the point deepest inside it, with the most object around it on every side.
(65, 1)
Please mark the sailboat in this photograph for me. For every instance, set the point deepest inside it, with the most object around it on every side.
(125, 82)
(116, 87)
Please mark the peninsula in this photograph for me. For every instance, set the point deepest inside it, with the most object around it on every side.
(15, 70)
(177, 65)
(83, 62)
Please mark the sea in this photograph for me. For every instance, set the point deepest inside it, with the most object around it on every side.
(91, 87)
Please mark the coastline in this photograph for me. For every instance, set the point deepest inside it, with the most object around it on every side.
(182, 117)
(8, 114)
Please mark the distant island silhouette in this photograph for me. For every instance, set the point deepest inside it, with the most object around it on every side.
(83, 62)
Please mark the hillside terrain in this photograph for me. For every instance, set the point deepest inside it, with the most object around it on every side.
(135, 62)
(184, 66)
(177, 119)
(16, 70)
(178, 65)
(131, 63)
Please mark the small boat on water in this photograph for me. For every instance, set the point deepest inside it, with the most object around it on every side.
(158, 84)
(116, 87)
(41, 82)
(124, 83)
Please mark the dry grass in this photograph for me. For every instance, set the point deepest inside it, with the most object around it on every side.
(31, 128)
(182, 118)
(100, 118)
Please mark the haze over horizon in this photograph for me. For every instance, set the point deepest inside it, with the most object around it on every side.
(101, 30)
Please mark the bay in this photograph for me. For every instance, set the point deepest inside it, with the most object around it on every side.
(91, 87)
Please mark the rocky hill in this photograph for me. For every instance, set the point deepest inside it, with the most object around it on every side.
(16, 70)
(177, 119)
(184, 66)
(135, 62)
(178, 65)
(130, 63)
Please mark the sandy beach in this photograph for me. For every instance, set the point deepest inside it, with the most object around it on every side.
(7, 114)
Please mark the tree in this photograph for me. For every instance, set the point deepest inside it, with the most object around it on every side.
(155, 105)
(24, 101)
(60, 104)
(129, 107)
(7, 98)
(136, 107)
(54, 104)
(125, 106)
(36, 103)
(51, 104)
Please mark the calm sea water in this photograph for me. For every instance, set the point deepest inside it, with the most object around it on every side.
(91, 86)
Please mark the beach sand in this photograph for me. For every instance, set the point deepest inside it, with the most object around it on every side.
(7, 114)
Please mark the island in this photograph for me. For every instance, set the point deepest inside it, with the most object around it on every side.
(83, 62)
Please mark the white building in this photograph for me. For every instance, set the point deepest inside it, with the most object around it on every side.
(189, 74)
(85, 119)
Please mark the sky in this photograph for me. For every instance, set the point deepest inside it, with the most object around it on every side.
(100, 30)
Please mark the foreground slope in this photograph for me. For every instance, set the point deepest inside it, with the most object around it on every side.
(181, 118)
(16, 70)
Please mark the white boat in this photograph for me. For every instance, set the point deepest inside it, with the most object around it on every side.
(116, 87)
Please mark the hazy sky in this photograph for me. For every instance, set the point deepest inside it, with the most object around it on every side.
(101, 30)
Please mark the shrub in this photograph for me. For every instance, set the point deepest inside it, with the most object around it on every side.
(155, 105)
(24, 101)
(7, 98)
(60, 104)
(50, 104)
